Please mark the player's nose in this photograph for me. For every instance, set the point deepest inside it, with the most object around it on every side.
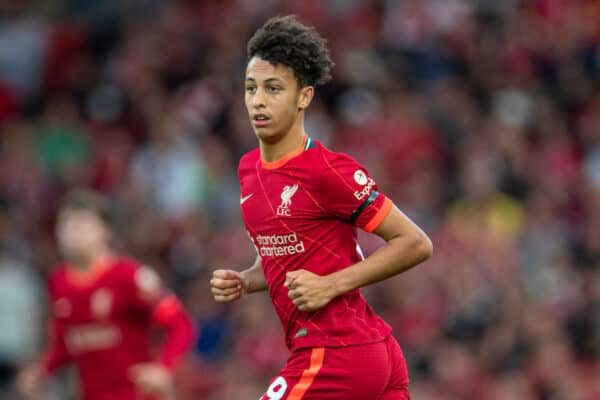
(259, 99)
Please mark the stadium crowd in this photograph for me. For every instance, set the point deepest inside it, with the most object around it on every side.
(480, 118)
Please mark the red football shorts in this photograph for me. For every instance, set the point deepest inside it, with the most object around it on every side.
(375, 371)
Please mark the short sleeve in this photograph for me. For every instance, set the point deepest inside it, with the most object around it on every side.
(148, 287)
(143, 286)
(349, 193)
(150, 296)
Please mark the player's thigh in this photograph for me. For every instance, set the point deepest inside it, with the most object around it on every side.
(298, 366)
(397, 387)
(350, 373)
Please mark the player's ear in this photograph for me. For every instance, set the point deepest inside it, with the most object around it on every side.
(305, 97)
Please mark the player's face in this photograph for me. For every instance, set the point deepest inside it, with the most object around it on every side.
(80, 233)
(274, 100)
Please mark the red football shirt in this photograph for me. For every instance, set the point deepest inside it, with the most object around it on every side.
(101, 323)
(302, 212)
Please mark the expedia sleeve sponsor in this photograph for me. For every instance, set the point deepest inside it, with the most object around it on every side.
(365, 191)
(279, 245)
(348, 192)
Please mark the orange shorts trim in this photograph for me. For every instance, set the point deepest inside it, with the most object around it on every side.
(308, 376)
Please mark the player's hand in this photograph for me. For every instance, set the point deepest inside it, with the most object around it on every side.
(28, 382)
(227, 285)
(309, 291)
(152, 379)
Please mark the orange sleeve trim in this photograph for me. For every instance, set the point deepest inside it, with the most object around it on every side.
(166, 309)
(308, 376)
(383, 212)
(287, 157)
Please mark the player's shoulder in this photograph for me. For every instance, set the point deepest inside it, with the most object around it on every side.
(124, 262)
(248, 161)
(122, 268)
(135, 273)
(330, 159)
(126, 265)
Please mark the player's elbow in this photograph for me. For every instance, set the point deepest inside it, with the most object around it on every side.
(422, 247)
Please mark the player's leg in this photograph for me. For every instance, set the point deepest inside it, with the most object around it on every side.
(397, 388)
(297, 376)
(346, 373)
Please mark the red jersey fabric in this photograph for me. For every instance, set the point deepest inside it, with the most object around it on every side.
(101, 322)
(302, 213)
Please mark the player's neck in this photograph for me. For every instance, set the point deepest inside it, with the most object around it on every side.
(88, 261)
(291, 141)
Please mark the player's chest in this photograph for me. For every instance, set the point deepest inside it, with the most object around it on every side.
(82, 305)
(269, 200)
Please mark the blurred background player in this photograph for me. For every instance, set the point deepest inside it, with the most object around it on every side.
(301, 204)
(103, 308)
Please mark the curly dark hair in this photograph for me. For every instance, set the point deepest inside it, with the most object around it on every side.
(285, 40)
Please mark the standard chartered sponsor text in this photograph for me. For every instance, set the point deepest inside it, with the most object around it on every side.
(279, 245)
(90, 337)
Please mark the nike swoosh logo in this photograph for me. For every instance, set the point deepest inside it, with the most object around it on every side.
(243, 199)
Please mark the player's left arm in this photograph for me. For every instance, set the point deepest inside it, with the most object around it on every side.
(406, 246)
(156, 377)
(168, 313)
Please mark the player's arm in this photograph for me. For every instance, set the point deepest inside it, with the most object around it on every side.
(230, 285)
(55, 357)
(348, 193)
(406, 246)
(166, 312)
(156, 377)
(170, 315)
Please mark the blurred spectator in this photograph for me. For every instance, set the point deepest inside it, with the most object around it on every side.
(20, 313)
(21, 317)
(170, 171)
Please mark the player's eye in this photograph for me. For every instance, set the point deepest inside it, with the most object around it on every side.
(251, 89)
(274, 89)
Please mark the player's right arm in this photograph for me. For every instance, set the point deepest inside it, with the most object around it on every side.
(229, 285)
(31, 378)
